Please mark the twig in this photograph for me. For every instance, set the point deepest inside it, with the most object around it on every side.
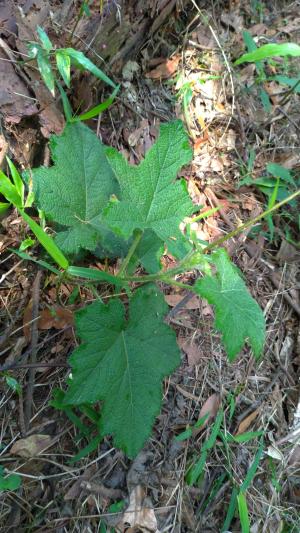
(7, 332)
(34, 341)
(106, 492)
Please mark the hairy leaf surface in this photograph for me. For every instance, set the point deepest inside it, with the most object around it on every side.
(151, 198)
(123, 362)
(238, 316)
(75, 190)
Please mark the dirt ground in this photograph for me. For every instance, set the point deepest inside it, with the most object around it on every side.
(175, 61)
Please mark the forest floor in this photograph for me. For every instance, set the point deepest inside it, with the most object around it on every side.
(239, 119)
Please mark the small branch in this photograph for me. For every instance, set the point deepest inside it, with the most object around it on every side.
(131, 251)
(34, 341)
(249, 223)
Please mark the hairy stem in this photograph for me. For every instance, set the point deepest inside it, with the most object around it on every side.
(249, 223)
(133, 247)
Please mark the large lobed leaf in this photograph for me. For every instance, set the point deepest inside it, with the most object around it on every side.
(150, 197)
(76, 188)
(122, 363)
(238, 315)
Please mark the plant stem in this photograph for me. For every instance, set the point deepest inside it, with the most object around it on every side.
(165, 276)
(133, 247)
(249, 223)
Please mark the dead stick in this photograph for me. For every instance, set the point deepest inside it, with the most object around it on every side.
(34, 341)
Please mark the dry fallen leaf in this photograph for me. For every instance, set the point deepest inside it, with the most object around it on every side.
(174, 299)
(57, 317)
(139, 515)
(31, 446)
(210, 408)
(246, 422)
(165, 70)
(193, 352)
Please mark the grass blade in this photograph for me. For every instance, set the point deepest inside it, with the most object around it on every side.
(46, 241)
(243, 512)
(65, 101)
(98, 108)
(231, 510)
(252, 470)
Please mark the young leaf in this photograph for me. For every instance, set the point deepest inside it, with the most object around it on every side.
(46, 70)
(16, 179)
(46, 43)
(76, 188)
(94, 111)
(9, 190)
(270, 50)
(4, 207)
(80, 59)
(238, 316)
(63, 62)
(46, 241)
(150, 196)
(123, 363)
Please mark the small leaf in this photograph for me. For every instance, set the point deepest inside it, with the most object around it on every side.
(26, 243)
(278, 171)
(238, 316)
(98, 108)
(16, 179)
(46, 70)
(122, 363)
(63, 62)
(46, 43)
(270, 50)
(9, 190)
(80, 59)
(33, 49)
(11, 482)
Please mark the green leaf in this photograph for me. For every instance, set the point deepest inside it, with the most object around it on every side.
(11, 482)
(80, 59)
(149, 253)
(16, 179)
(4, 207)
(63, 62)
(150, 196)
(9, 190)
(46, 43)
(285, 80)
(243, 512)
(65, 102)
(122, 363)
(278, 171)
(270, 50)
(238, 316)
(94, 111)
(46, 241)
(73, 191)
(46, 70)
